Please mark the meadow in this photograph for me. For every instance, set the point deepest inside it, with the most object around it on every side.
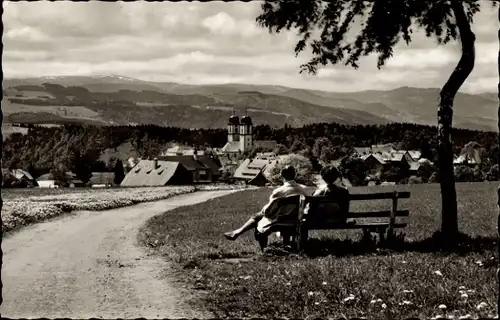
(341, 274)
(22, 207)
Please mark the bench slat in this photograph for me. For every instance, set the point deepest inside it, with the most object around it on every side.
(355, 226)
(378, 196)
(378, 214)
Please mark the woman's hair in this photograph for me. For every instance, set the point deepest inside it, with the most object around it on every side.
(288, 173)
(330, 174)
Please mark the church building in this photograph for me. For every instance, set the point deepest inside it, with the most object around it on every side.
(240, 137)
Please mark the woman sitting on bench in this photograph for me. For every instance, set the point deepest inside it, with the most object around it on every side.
(330, 175)
(289, 188)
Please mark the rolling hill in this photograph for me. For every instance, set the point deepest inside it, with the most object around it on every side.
(124, 100)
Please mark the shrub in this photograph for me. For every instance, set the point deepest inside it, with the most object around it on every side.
(492, 174)
(425, 170)
(464, 174)
(355, 170)
(301, 164)
(415, 180)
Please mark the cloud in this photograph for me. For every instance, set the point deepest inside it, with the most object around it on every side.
(212, 42)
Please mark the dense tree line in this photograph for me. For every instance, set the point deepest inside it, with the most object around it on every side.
(72, 147)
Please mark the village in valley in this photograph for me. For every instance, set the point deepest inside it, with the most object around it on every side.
(245, 160)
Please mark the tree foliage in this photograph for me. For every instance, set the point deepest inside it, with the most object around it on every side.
(324, 26)
(119, 174)
(355, 170)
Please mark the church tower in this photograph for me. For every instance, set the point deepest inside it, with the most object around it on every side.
(246, 134)
(233, 128)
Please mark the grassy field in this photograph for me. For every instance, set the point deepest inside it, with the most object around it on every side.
(341, 276)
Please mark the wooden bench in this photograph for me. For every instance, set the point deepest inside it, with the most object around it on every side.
(311, 216)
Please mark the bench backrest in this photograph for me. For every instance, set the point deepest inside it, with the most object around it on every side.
(317, 206)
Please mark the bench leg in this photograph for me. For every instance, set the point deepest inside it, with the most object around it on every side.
(381, 234)
(366, 235)
(286, 238)
(301, 237)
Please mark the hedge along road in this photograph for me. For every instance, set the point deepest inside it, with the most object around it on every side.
(90, 265)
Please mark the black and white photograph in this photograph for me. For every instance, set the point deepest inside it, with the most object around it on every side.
(294, 159)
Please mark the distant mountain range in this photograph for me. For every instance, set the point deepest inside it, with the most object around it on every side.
(105, 100)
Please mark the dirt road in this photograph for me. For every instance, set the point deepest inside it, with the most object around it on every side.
(90, 265)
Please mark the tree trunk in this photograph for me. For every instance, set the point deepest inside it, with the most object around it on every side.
(449, 224)
(498, 190)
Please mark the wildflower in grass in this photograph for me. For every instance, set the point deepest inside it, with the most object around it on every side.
(479, 263)
(442, 306)
(481, 306)
(461, 288)
(464, 296)
(467, 316)
(471, 291)
(384, 306)
(379, 300)
(288, 284)
(349, 298)
(373, 301)
(438, 273)
(310, 293)
(407, 291)
(324, 283)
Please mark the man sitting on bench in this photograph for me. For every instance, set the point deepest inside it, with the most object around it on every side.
(340, 207)
(261, 219)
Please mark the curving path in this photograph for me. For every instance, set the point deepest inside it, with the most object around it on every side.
(90, 265)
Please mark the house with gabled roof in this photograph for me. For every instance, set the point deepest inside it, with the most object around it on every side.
(155, 173)
(24, 177)
(202, 168)
(252, 171)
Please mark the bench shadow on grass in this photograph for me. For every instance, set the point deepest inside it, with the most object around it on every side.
(337, 247)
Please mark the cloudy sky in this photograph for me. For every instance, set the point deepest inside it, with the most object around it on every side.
(215, 42)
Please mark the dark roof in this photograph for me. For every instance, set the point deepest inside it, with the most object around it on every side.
(143, 174)
(234, 120)
(246, 120)
(259, 180)
(210, 164)
(187, 161)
